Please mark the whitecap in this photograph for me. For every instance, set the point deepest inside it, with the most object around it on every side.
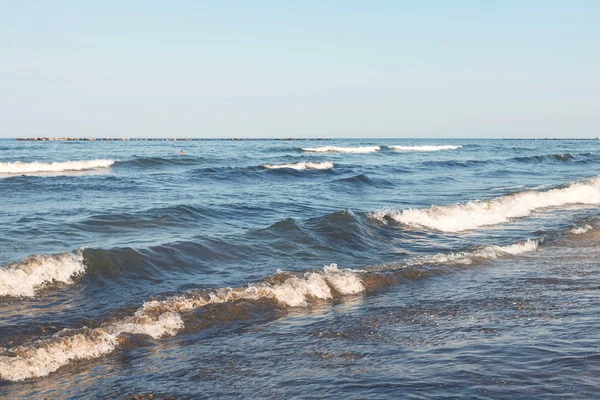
(336, 149)
(476, 214)
(425, 148)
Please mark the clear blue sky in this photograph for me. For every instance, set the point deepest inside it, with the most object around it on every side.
(300, 68)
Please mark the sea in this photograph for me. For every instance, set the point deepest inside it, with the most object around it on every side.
(311, 269)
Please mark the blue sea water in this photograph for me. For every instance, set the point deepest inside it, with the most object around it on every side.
(375, 268)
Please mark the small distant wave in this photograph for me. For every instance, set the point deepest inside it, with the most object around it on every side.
(500, 189)
(335, 149)
(425, 148)
(455, 163)
(476, 214)
(147, 162)
(20, 168)
(24, 278)
(301, 165)
(364, 179)
(561, 157)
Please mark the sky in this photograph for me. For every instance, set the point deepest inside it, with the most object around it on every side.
(325, 68)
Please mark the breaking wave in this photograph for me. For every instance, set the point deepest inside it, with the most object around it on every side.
(581, 229)
(19, 168)
(166, 317)
(476, 214)
(485, 252)
(158, 318)
(335, 149)
(24, 278)
(425, 148)
(301, 165)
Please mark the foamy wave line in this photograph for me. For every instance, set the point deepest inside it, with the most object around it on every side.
(24, 278)
(486, 252)
(335, 149)
(18, 167)
(301, 165)
(581, 229)
(425, 148)
(475, 214)
(158, 318)
(465, 257)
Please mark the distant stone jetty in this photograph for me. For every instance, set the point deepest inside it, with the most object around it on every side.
(124, 139)
(596, 138)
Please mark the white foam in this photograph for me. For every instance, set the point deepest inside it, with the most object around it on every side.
(22, 279)
(335, 149)
(476, 214)
(499, 189)
(467, 257)
(25, 168)
(301, 165)
(344, 281)
(158, 318)
(581, 229)
(45, 357)
(425, 148)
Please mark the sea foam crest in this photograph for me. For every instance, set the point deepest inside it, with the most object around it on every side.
(158, 318)
(301, 165)
(485, 252)
(467, 257)
(337, 149)
(581, 229)
(476, 214)
(23, 278)
(425, 148)
(19, 168)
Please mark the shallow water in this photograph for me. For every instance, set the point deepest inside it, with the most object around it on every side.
(453, 268)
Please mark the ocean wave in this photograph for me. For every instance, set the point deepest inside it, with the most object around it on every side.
(24, 278)
(166, 317)
(455, 163)
(500, 189)
(22, 168)
(147, 162)
(476, 214)
(469, 257)
(336, 149)
(301, 165)
(560, 157)
(485, 252)
(425, 148)
(363, 179)
(581, 229)
(159, 318)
